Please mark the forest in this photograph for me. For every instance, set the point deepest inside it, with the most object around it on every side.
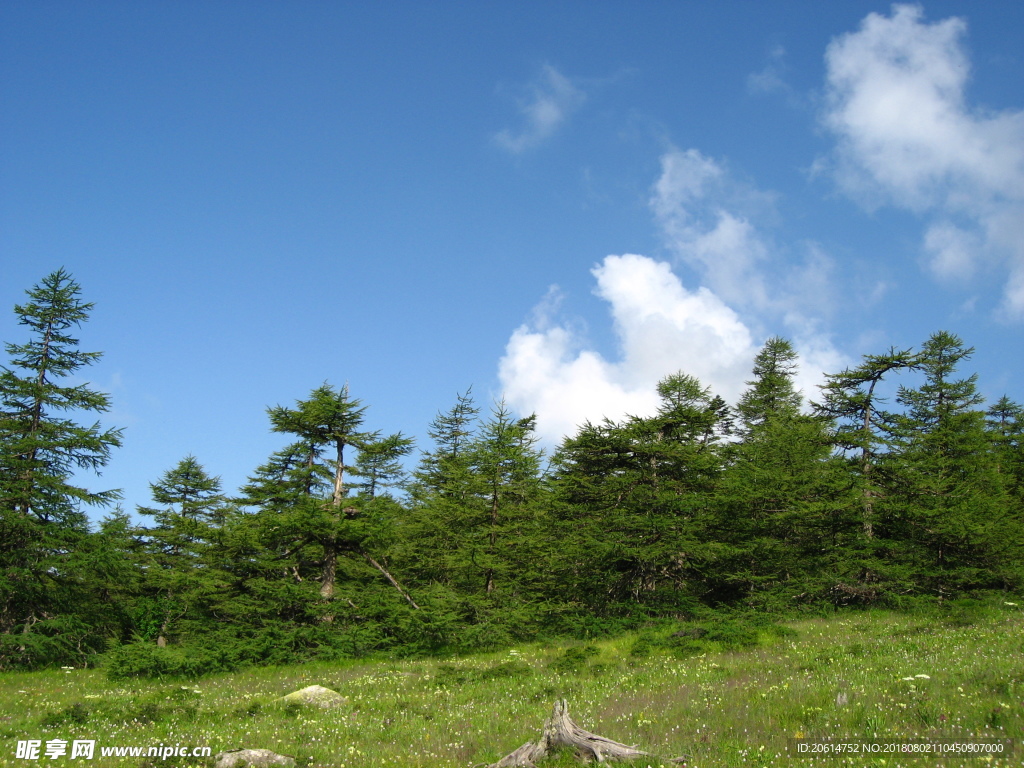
(894, 486)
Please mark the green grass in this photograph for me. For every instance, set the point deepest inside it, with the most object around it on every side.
(723, 702)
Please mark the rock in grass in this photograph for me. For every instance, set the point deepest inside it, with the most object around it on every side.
(260, 758)
(315, 695)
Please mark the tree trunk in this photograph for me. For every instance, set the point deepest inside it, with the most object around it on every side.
(329, 567)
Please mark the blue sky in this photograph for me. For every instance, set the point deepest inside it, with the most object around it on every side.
(559, 202)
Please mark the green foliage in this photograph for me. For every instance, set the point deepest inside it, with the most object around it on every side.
(47, 599)
(573, 660)
(76, 714)
(147, 660)
(950, 510)
(883, 495)
(632, 504)
(448, 675)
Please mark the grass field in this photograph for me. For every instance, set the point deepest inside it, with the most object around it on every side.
(870, 675)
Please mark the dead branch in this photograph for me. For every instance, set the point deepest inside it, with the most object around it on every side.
(390, 578)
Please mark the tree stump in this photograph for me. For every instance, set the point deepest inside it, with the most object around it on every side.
(561, 731)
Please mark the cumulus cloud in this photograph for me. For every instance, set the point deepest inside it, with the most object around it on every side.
(907, 137)
(661, 327)
(553, 98)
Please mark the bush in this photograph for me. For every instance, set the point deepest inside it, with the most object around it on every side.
(573, 659)
(143, 659)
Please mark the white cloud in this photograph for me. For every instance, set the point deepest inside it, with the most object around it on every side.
(661, 328)
(553, 98)
(722, 246)
(896, 101)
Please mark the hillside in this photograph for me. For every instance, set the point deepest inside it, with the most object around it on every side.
(727, 697)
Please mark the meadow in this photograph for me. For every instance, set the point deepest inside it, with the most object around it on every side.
(724, 698)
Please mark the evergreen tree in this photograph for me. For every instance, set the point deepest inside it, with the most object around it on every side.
(507, 468)
(306, 519)
(633, 504)
(446, 469)
(441, 496)
(41, 450)
(379, 463)
(1005, 425)
(178, 572)
(775, 494)
(327, 419)
(772, 392)
(950, 509)
(853, 399)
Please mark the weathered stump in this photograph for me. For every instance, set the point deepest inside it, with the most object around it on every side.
(560, 731)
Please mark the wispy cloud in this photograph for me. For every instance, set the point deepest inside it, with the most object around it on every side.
(907, 138)
(691, 201)
(709, 222)
(771, 80)
(552, 99)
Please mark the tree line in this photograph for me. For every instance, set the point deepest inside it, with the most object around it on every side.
(896, 486)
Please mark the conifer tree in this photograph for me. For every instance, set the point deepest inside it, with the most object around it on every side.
(442, 494)
(950, 508)
(772, 393)
(41, 451)
(379, 463)
(854, 400)
(306, 519)
(327, 419)
(775, 492)
(507, 468)
(633, 503)
(179, 576)
(1005, 424)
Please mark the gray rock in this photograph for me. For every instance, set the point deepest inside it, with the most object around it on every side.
(315, 695)
(261, 758)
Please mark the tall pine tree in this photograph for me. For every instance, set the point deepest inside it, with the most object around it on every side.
(949, 505)
(42, 450)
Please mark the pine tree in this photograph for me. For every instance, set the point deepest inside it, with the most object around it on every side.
(306, 518)
(772, 392)
(507, 468)
(327, 419)
(950, 508)
(774, 495)
(177, 566)
(1005, 424)
(853, 399)
(632, 500)
(379, 463)
(445, 470)
(441, 497)
(41, 451)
